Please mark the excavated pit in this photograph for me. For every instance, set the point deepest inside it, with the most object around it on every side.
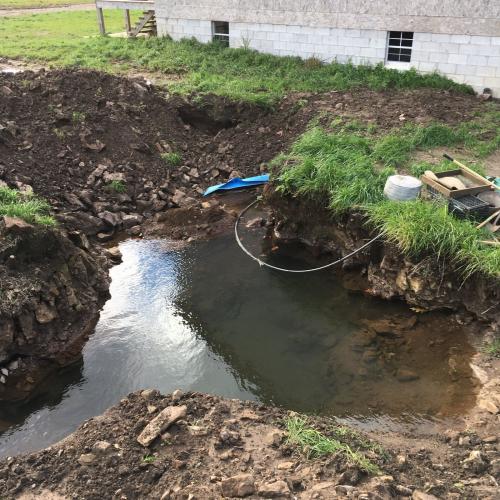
(94, 145)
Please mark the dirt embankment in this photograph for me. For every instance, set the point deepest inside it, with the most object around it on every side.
(201, 447)
(53, 284)
(108, 152)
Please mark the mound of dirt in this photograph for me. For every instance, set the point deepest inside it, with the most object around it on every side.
(201, 447)
(53, 285)
(107, 151)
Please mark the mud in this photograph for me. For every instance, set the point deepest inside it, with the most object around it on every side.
(227, 448)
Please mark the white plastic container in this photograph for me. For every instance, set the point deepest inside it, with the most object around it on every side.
(402, 188)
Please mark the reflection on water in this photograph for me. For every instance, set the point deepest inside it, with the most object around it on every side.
(206, 318)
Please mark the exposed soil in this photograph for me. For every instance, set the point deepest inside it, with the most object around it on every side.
(57, 127)
(425, 283)
(217, 448)
(53, 285)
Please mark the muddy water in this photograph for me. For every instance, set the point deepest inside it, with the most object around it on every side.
(207, 318)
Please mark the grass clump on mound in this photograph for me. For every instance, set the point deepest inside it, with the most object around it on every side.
(315, 444)
(71, 39)
(350, 170)
(27, 207)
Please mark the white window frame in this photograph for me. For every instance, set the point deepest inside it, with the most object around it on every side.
(399, 64)
(222, 37)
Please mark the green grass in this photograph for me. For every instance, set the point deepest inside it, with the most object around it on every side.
(78, 117)
(27, 207)
(67, 39)
(148, 459)
(39, 4)
(315, 444)
(349, 170)
(117, 186)
(172, 159)
(493, 349)
(421, 228)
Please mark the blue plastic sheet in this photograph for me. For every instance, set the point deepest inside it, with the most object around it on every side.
(238, 183)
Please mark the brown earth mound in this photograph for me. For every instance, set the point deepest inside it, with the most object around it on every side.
(92, 143)
(202, 447)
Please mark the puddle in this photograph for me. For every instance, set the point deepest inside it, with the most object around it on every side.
(207, 318)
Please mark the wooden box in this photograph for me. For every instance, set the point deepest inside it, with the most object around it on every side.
(477, 183)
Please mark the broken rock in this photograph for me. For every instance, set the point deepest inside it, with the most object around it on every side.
(16, 225)
(238, 486)
(274, 490)
(161, 423)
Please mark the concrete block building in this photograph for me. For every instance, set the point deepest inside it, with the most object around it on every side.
(457, 38)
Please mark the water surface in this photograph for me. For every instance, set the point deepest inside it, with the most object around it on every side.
(207, 318)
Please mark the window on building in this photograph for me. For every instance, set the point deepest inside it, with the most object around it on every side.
(399, 46)
(220, 32)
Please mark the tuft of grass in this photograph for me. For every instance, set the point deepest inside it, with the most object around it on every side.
(27, 207)
(59, 133)
(148, 459)
(71, 39)
(172, 159)
(77, 117)
(117, 186)
(336, 166)
(315, 444)
(493, 349)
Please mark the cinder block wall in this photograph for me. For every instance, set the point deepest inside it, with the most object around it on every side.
(464, 47)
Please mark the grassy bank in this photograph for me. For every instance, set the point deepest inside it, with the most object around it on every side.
(70, 39)
(349, 168)
(27, 207)
(39, 4)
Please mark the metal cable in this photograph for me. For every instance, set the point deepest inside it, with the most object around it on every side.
(276, 268)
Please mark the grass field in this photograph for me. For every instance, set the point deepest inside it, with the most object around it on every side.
(70, 39)
(39, 4)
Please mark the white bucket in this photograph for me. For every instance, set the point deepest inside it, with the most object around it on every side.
(402, 188)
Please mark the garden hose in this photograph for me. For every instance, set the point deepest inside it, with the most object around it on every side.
(276, 268)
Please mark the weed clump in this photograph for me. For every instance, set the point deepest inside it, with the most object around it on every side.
(172, 159)
(117, 186)
(493, 348)
(27, 207)
(315, 444)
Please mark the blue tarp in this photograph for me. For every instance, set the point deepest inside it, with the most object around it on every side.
(238, 183)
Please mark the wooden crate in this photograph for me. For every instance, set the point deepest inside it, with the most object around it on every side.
(481, 184)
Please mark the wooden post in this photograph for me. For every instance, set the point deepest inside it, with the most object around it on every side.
(128, 27)
(100, 20)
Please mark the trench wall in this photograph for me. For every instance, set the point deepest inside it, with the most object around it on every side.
(459, 39)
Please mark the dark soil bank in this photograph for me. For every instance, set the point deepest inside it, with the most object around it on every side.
(201, 447)
(53, 284)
